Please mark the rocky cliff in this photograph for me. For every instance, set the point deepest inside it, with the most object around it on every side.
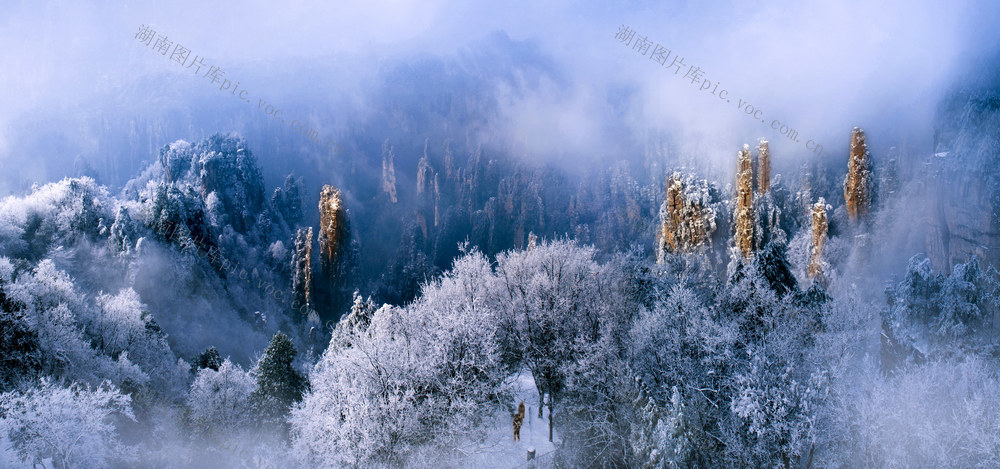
(224, 172)
(962, 181)
(820, 226)
(302, 269)
(686, 219)
(763, 168)
(336, 250)
(389, 172)
(858, 185)
(743, 215)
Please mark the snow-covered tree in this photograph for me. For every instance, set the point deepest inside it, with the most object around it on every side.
(20, 358)
(772, 386)
(121, 325)
(58, 313)
(775, 402)
(662, 436)
(210, 358)
(682, 344)
(940, 414)
(279, 384)
(73, 426)
(939, 315)
(425, 374)
(551, 296)
(219, 401)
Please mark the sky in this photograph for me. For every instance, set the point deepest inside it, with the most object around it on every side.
(820, 68)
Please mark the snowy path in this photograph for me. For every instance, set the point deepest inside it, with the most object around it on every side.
(500, 450)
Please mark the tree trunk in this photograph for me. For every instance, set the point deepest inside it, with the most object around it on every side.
(550, 419)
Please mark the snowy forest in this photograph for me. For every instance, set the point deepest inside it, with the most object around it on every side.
(531, 246)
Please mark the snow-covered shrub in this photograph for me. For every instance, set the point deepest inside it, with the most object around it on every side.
(73, 426)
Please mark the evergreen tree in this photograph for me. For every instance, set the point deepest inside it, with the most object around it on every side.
(20, 358)
(279, 385)
(773, 265)
(677, 436)
(944, 315)
(644, 440)
(208, 359)
(662, 437)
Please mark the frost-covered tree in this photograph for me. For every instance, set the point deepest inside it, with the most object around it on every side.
(73, 426)
(58, 313)
(122, 235)
(937, 315)
(772, 386)
(645, 441)
(361, 409)
(774, 401)
(20, 358)
(122, 327)
(427, 374)
(551, 296)
(681, 343)
(662, 437)
(596, 416)
(219, 401)
(940, 414)
(119, 323)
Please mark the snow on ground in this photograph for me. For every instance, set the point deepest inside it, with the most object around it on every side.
(499, 450)
(5, 452)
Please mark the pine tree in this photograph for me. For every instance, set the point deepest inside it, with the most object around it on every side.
(678, 439)
(20, 358)
(662, 437)
(210, 358)
(279, 385)
(644, 438)
(773, 265)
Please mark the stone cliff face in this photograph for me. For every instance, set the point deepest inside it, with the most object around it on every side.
(672, 217)
(767, 203)
(332, 226)
(858, 185)
(820, 226)
(425, 194)
(686, 221)
(763, 168)
(962, 182)
(428, 196)
(425, 175)
(302, 269)
(337, 255)
(743, 215)
(222, 169)
(389, 172)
